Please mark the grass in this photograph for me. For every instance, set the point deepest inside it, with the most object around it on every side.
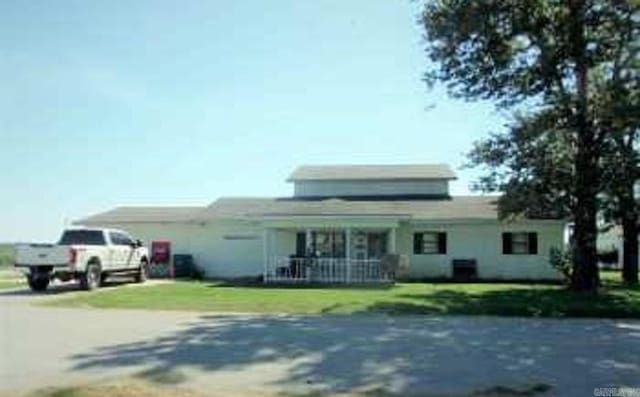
(10, 283)
(6, 255)
(141, 388)
(504, 299)
(119, 389)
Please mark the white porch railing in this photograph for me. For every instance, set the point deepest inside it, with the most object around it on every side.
(325, 270)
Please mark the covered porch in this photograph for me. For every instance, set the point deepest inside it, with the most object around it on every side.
(332, 255)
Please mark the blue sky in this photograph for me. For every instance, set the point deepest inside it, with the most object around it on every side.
(108, 103)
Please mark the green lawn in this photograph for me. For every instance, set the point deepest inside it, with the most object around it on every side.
(6, 255)
(504, 299)
(10, 283)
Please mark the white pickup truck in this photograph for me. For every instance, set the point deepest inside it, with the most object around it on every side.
(89, 255)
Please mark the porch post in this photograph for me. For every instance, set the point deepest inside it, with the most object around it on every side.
(347, 242)
(392, 241)
(308, 242)
(265, 253)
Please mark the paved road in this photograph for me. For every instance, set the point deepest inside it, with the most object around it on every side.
(428, 355)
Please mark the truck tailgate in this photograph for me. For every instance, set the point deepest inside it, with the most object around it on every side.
(41, 254)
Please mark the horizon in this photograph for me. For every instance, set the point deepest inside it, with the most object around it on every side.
(155, 104)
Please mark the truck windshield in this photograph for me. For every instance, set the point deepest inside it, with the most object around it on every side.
(82, 237)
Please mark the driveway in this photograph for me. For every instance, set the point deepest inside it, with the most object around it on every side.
(424, 355)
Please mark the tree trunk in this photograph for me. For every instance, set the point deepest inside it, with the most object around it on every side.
(585, 273)
(584, 277)
(629, 236)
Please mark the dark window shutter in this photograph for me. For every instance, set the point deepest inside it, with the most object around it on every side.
(533, 243)
(301, 244)
(417, 243)
(506, 244)
(442, 243)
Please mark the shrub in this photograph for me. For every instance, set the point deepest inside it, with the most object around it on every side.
(562, 261)
(608, 257)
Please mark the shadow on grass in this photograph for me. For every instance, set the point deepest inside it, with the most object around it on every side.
(427, 356)
(527, 302)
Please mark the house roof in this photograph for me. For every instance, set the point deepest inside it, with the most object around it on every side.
(143, 215)
(372, 172)
(453, 208)
(461, 207)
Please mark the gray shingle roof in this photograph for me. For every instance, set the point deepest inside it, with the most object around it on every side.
(461, 207)
(143, 215)
(372, 172)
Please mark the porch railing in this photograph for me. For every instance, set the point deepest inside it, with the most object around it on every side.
(325, 270)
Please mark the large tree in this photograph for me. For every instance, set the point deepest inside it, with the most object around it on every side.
(541, 57)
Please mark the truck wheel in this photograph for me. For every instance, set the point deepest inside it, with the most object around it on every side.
(90, 279)
(38, 283)
(143, 272)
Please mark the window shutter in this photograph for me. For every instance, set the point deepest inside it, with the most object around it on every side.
(442, 243)
(417, 243)
(506, 244)
(533, 243)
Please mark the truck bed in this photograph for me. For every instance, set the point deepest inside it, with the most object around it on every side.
(41, 255)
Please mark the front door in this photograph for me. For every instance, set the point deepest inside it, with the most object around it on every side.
(376, 245)
(369, 245)
(360, 245)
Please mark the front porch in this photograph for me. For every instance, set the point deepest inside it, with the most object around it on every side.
(331, 256)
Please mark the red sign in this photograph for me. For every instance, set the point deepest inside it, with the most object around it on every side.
(160, 251)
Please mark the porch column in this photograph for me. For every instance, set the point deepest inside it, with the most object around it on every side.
(265, 253)
(347, 242)
(392, 241)
(308, 242)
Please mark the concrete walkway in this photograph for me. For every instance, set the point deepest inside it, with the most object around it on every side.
(423, 355)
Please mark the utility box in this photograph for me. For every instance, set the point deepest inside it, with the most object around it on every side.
(183, 265)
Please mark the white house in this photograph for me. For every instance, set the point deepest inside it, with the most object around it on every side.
(343, 223)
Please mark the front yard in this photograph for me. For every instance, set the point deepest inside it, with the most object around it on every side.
(504, 299)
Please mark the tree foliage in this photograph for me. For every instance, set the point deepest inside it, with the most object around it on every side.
(569, 71)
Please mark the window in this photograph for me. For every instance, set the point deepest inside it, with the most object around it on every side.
(328, 244)
(520, 243)
(82, 237)
(120, 239)
(430, 243)
(323, 244)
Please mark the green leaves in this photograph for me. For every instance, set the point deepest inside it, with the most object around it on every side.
(574, 65)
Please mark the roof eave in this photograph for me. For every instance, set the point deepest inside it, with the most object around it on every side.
(404, 179)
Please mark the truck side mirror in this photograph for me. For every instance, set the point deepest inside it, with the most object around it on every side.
(138, 243)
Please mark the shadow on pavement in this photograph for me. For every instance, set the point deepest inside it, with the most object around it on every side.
(400, 354)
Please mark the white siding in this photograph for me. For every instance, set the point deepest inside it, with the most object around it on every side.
(370, 188)
(222, 250)
(229, 249)
(483, 242)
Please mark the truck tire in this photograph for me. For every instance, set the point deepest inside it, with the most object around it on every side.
(91, 278)
(143, 272)
(38, 284)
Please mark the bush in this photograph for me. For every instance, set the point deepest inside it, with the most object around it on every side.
(608, 257)
(562, 261)
(6, 255)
